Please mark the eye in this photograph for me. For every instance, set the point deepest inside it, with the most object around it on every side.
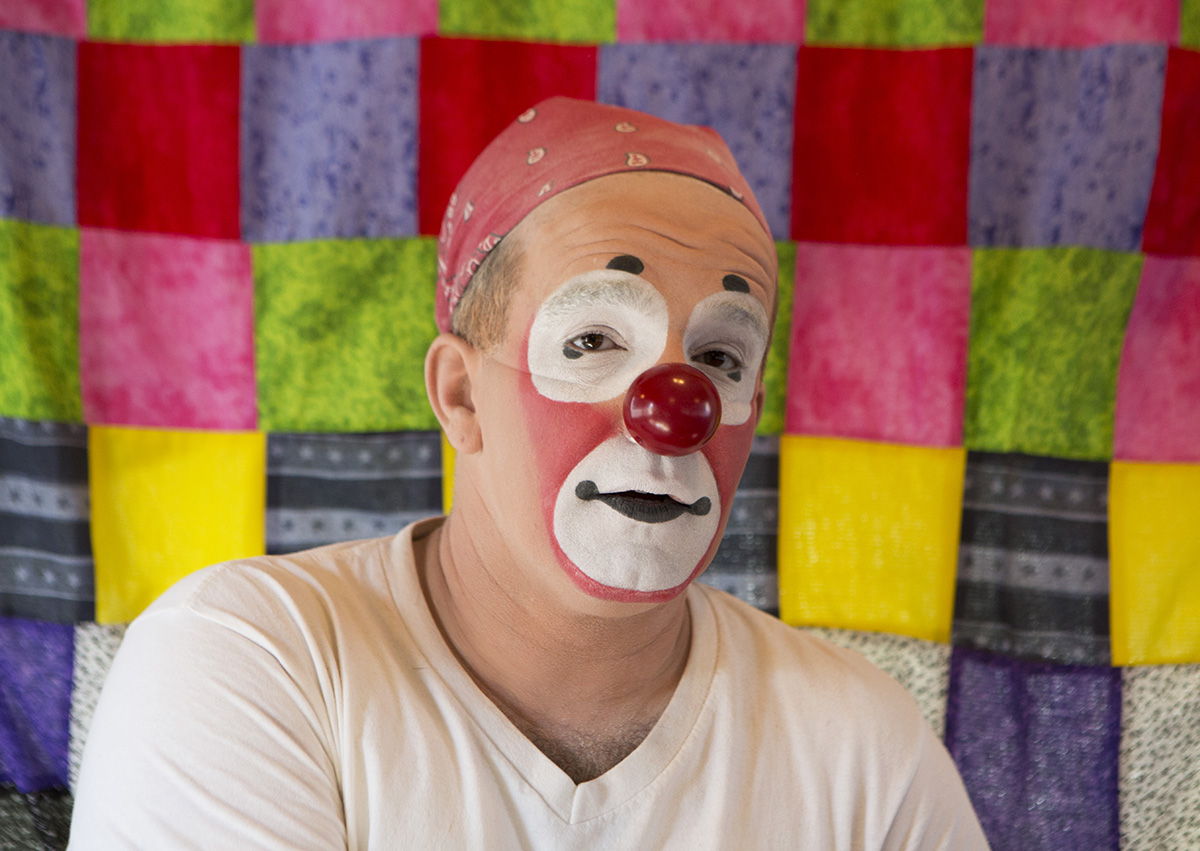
(591, 341)
(721, 360)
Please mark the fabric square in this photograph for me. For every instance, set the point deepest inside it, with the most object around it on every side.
(1158, 384)
(95, 648)
(171, 20)
(922, 667)
(841, 562)
(166, 503)
(1063, 145)
(879, 343)
(534, 20)
(16, 824)
(745, 561)
(329, 138)
(166, 331)
(881, 146)
(462, 108)
(1033, 563)
(45, 545)
(1066, 23)
(1160, 757)
(749, 103)
(1046, 332)
(161, 130)
(37, 128)
(36, 820)
(775, 372)
(326, 20)
(39, 322)
(1155, 563)
(1189, 25)
(58, 17)
(327, 488)
(1173, 217)
(35, 703)
(342, 328)
(711, 20)
(1037, 747)
(894, 22)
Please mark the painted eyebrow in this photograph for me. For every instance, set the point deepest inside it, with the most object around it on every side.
(627, 263)
(739, 315)
(735, 284)
(618, 289)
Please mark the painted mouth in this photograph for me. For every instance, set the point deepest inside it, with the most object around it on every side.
(646, 507)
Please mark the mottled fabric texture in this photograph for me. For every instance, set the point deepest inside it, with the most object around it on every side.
(327, 488)
(1063, 145)
(711, 20)
(58, 17)
(39, 322)
(95, 647)
(1189, 25)
(328, 20)
(545, 20)
(1036, 745)
(1160, 757)
(775, 372)
(750, 103)
(1033, 563)
(166, 331)
(171, 20)
(38, 820)
(45, 547)
(894, 22)
(341, 330)
(879, 343)
(329, 138)
(1064, 23)
(744, 564)
(1173, 218)
(37, 128)
(1046, 333)
(35, 702)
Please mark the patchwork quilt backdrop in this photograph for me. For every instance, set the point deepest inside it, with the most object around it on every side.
(980, 459)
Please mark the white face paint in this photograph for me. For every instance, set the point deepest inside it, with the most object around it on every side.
(726, 338)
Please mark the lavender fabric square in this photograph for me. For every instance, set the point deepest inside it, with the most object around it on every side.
(329, 140)
(1063, 145)
(37, 128)
(35, 703)
(1037, 746)
(746, 92)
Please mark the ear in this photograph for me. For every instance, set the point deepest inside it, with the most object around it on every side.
(450, 369)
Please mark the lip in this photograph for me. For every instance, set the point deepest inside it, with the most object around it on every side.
(642, 506)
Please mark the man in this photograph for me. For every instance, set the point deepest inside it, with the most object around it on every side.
(537, 670)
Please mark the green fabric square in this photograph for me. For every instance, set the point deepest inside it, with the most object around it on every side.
(894, 22)
(171, 20)
(341, 330)
(1190, 24)
(547, 20)
(1047, 327)
(39, 322)
(775, 372)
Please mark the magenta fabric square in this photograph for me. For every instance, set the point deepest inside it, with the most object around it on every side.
(879, 343)
(1158, 384)
(327, 20)
(166, 331)
(1070, 23)
(710, 20)
(58, 17)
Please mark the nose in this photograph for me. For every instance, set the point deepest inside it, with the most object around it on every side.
(672, 409)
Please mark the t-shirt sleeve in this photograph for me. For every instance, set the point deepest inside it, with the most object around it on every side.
(208, 737)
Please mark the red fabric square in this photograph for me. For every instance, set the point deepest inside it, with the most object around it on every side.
(321, 20)
(1070, 23)
(881, 148)
(711, 20)
(158, 138)
(470, 90)
(1173, 218)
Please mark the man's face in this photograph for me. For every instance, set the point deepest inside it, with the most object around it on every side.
(618, 275)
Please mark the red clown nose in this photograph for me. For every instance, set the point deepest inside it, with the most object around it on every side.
(672, 409)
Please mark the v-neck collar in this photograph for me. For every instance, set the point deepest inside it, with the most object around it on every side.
(570, 802)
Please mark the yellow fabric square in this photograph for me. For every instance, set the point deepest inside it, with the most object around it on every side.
(1154, 546)
(448, 459)
(166, 503)
(868, 535)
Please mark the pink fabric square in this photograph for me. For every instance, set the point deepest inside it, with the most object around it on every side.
(166, 331)
(711, 20)
(1071, 23)
(1158, 384)
(57, 17)
(327, 20)
(879, 343)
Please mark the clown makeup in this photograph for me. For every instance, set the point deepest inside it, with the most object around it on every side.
(726, 338)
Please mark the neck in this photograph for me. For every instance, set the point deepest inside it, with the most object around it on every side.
(585, 687)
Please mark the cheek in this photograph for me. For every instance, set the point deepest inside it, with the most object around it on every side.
(727, 453)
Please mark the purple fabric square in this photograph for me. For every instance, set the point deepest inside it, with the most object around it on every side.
(1037, 746)
(1063, 145)
(746, 92)
(329, 140)
(37, 128)
(35, 702)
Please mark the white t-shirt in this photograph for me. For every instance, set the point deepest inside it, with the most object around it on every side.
(310, 701)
